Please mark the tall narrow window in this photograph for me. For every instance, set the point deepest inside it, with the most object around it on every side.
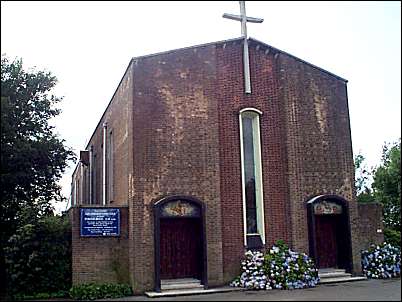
(110, 167)
(73, 202)
(77, 191)
(91, 174)
(253, 205)
(95, 199)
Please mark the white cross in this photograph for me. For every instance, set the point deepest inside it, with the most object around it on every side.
(244, 19)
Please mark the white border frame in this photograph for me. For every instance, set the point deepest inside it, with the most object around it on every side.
(258, 173)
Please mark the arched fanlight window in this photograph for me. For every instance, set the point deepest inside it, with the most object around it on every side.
(251, 168)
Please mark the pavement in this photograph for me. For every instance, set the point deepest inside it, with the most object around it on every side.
(367, 290)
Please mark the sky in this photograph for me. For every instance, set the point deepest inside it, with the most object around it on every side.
(88, 46)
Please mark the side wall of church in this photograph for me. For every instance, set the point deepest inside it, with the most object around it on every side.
(118, 116)
(106, 259)
(176, 150)
(318, 143)
(265, 97)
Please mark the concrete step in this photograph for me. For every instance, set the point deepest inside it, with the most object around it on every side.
(340, 279)
(334, 275)
(178, 284)
(331, 270)
(181, 280)
(186, 292)
(181, 286)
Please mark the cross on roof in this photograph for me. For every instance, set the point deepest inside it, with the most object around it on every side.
(244, 19)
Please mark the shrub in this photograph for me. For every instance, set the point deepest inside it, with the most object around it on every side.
(91, 291)
(40, 296)
(381, 261)
(253, 276)
(393, 237)
(38, 257)
(280, 268)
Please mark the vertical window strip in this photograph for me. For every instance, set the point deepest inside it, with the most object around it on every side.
(73, 192)
(251, 169)
(91, 169)
(94, 181)
(110, 167)
(77, 189)
(104, 164)
(82, 183)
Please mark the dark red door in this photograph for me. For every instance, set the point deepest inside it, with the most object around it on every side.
(180, 248)
(326, 241)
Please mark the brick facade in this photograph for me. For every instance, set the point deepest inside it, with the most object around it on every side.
(370, 224)
(175, 124)
(97, 259)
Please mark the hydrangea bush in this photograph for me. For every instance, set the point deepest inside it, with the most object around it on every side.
(252, 276)
(381, 261)
(279, 268)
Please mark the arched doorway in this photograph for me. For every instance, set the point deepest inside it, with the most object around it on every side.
(329, 232)
(180, 244)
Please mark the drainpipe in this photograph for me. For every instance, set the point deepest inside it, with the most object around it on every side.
(104, 164)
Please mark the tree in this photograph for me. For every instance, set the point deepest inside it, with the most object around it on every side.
(362, 180)
(33, 157)
(387, 185)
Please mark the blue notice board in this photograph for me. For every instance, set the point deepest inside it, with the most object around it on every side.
(99, 222)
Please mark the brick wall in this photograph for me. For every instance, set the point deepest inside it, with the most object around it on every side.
(306, 145)
(231, 98)
(97, 259)
(175, 143)
(370, 220)
(318, 143)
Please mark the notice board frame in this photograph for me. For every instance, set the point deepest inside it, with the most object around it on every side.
(104, 226)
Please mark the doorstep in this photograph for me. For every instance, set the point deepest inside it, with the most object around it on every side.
(339, 280)
(186, 292)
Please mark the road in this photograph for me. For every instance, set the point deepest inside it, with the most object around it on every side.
(368, 290)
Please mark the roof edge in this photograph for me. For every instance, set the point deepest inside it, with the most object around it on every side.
(300, 60)
(203, 45)
(108, 105)
(185, 48)
(146, 56)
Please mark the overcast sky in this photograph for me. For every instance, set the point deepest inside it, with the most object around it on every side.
(88, 45)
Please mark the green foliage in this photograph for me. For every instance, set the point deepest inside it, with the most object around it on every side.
(92, 291)
(33, 157)
(38, 257)
(362, 176)
(40, 296)
(393, 237)
(387, 185)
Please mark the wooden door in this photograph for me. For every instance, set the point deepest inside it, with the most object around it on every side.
(326, 241)
(180, 248)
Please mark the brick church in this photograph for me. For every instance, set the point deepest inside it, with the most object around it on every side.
(203, 154)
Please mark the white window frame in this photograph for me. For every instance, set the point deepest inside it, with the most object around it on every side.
(255, 113)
